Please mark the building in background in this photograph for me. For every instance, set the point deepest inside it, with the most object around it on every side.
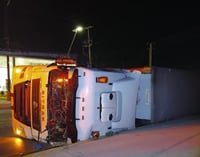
(6, 65)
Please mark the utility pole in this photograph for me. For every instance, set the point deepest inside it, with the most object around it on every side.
(7, 44)
(89, 45)
(150, 54)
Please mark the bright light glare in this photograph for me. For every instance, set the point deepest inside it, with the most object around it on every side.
(18, 142)
(79, 29)
(18, 132)
(60, 80)
(18, 70)
(66, 80)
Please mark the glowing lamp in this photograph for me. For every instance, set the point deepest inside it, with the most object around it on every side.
(18, 132)
(78, 29)
(60, 80)
(18, 70)
(65, 62)
(102, 79)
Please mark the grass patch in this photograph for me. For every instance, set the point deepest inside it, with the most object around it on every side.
(3, 98)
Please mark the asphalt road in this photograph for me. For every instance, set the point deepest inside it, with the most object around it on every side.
(11, 145)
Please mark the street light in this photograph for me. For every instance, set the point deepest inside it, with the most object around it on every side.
(89, 43)
(76, 30)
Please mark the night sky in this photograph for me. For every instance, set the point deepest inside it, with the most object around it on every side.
(120, 34)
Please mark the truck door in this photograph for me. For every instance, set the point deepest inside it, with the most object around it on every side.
(110, 106)
(36, 104)
(35, 109)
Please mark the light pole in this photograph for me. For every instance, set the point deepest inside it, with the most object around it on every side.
(76, 30)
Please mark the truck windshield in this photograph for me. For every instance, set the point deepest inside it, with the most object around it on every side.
(61, 105)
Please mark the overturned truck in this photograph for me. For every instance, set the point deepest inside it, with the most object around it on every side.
(61, 101)
(57, 102)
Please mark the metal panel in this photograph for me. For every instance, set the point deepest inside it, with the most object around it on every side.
(175, 93)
